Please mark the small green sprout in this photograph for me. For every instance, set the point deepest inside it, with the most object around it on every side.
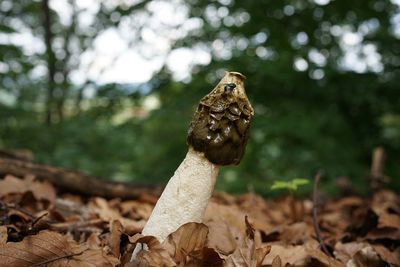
(290, 185)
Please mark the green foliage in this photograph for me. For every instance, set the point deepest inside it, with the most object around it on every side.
(323, 115)
(289, 185)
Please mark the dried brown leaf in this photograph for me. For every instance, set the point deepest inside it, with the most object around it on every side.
(210, 258)
(257, 209)
(40, 190)
(383, 233)
(150, 241)
(229, 215)
(389, 220)
(188, 239)
(93, 241)
(53, 249)
(11, 184)
(246, 254)
(318, 258)
(102, 208)
(293, 255)
(93, 257)
(345, 251)
(136, 210)
(114, 241)
(132, 226)
(297, 233)
(184, 247)
(391, 257)
(3, 234)
(384, 200)
(155, 257)
(43, 190)
(261, 253)
(36, 249)
(277, 262)
(220, 237)
(67, 208)
(366, 257)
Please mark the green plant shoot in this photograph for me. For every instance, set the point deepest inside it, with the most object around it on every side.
(289, 185)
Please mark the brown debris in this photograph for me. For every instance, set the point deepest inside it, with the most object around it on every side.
(74, 230)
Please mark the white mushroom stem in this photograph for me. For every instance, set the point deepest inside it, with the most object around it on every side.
(185, 198)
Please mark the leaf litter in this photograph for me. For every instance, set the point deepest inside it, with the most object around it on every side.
(42, 227)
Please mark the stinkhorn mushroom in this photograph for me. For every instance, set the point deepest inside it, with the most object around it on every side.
(217, 136)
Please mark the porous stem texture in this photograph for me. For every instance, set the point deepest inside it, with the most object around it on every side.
(185, 198)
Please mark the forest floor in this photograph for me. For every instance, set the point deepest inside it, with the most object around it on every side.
(42, 226)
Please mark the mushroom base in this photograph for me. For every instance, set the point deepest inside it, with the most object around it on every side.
(185, 198)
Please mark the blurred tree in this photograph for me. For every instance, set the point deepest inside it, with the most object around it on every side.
(322, 75)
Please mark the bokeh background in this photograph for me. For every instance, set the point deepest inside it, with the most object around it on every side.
(109, 87)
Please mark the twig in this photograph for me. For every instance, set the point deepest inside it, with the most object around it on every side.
(44, 263)
(18, 208)
(71, 226)
(35, 221)
(315, 206)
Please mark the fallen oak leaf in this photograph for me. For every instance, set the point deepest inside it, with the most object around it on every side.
(101, 207)
(391, 257)
(40, 190)
(297, 233)
(114, 240)
(261, 253)
(246, 254)
(346, 251)
(383, 233)
(11, 184)
(211, 257)
(366, 257)
(149, 240)
(154, 256)
(385, 200)
(67, 208)
(93, 241)
(220, 237)
(228, 215)
(51, 249)
(186, 241)
(277, 262)
(184, 247)
(56, 260)
(3, 234)
(292, 255)
(36, 249)
(135, 209)
(187, 246)
(319, 258)
(389, 220)
(93, 257)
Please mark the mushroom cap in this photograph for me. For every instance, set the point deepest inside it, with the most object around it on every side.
(221, 122)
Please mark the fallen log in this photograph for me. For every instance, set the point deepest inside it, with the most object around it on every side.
(74, 181)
